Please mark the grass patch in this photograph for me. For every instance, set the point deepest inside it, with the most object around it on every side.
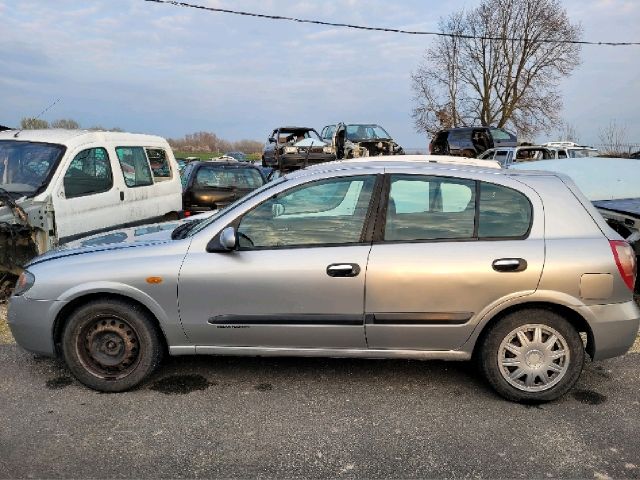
(5, 333)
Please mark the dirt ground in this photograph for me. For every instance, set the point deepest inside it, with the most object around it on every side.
(6, 338)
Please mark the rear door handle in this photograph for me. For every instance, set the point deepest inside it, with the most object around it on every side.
(343, 270)
(509, 265)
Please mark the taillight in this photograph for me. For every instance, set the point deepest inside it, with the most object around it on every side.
(187, 213)
(625, 260)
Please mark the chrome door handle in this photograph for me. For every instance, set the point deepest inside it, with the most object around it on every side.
(343, 270)
(509, 265)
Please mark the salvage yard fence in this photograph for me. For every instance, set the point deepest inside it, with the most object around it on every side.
(618, 150)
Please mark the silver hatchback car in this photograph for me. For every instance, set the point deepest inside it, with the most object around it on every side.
(384, 258)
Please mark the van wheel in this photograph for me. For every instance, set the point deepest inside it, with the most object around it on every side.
(532, 356)
(111, 345)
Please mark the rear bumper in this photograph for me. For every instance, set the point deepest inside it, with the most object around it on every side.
(31, 323)
(614, 328)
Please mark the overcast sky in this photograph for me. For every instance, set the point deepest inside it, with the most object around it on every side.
(166, 70)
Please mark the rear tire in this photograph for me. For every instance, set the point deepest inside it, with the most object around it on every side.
(532, 356)
(111, 345)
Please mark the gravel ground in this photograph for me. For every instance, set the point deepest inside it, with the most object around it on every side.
(312, 418)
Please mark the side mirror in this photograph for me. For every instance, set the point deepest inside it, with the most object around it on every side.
(228, 238)
(277, 209)
(271, 140)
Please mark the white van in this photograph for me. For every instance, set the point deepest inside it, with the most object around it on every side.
(61, 185)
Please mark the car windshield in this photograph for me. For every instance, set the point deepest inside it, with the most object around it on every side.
(26, 166)
(205, 223)
(293, 136)
(225, 177)
(366, 132)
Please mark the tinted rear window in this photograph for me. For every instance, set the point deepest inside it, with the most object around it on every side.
(219, 176)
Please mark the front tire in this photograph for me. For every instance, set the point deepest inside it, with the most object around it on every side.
(532, 355)
(111, 345)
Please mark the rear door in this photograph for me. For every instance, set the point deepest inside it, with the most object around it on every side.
(442, 258)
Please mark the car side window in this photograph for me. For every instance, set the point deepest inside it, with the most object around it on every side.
(88, 173)
(135, 166)
(438, 208)
(504, 212)
(327, 212)
(430, 208)
(159, 163)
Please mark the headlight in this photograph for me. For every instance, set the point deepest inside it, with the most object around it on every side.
(290, 150)
(327, 149)
(24, 283)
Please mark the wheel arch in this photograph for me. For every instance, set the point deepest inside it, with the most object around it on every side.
(573, 317)
(64, 313)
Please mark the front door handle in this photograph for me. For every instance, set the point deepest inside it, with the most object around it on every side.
(509, 265)
(343, 270)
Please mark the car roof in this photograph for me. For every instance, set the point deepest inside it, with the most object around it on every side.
(382, 163)
(224, 163)
(520, 147)
(295, 128)
(64, 136)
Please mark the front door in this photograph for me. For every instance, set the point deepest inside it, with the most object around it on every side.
(444, 258)
(88, 199)
(296, 278)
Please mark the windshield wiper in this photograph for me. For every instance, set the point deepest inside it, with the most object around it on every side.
(183, 229)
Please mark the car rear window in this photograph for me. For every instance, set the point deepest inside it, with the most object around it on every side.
(218, 176)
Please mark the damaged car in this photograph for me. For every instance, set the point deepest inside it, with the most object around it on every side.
(292, 148)
(357, 140)
(213, 185)
(60, 185)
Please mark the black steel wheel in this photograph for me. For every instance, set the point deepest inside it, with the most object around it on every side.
(111, 345)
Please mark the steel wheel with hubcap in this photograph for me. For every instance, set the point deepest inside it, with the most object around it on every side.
(111, 345)
(532, 355)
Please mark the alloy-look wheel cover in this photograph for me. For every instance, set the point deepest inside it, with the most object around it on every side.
(533, 357)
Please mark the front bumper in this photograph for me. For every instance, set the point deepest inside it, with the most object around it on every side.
(31, 323)
(614, 327)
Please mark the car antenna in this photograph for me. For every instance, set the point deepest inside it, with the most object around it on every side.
(38, 116)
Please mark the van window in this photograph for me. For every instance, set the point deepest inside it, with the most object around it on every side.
(135, 167)
(88, 173)
(159, 163)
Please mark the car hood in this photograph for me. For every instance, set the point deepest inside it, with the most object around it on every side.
(116, 240)
(144, 235)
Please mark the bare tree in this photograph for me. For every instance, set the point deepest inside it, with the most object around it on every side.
(568, 132)
(613, 138)
(497, 70)
(29, 123)
(67, 123)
